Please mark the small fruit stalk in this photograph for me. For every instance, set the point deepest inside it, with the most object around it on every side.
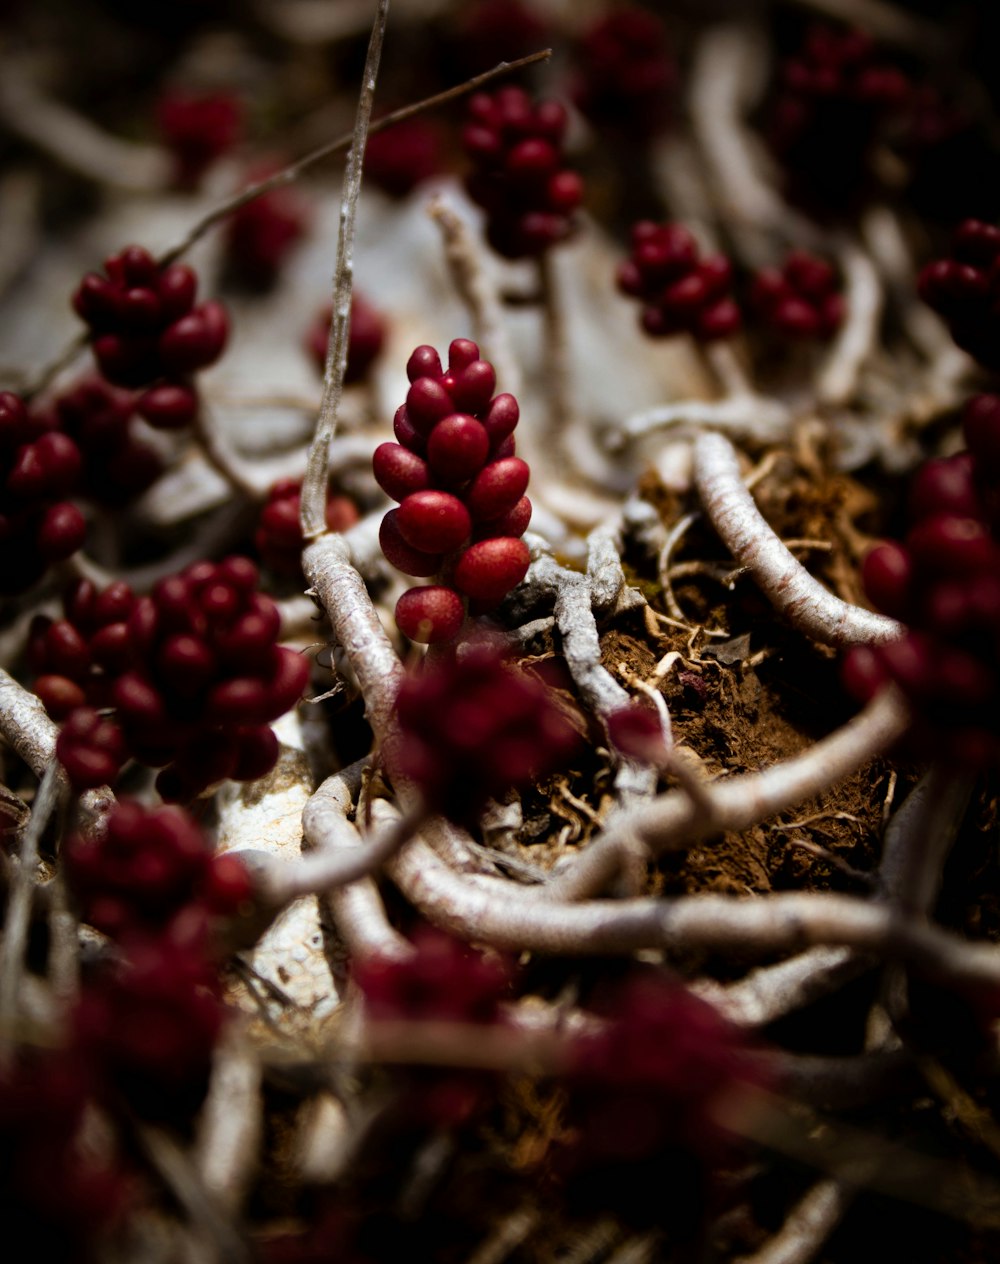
(462, 508)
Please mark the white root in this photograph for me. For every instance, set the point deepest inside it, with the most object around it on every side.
(751, 417)
(806, 1228)
(858, 336)
(794, 593)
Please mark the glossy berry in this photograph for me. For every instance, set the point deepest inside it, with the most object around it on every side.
(963, 289)
(91, 749)
(800, 301)
(625, 75)
(472, 726)
(366, 339)
(198, 129)
(518, 177)
(679, 292)
(430, 613)
(117, 466)
(456, 486)
(835, 97)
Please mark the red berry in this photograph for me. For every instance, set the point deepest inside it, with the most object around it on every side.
(433, 521)
(457, 447)
(430, 614)
(490, 569)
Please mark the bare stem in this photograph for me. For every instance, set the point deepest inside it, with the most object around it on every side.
(314, 485)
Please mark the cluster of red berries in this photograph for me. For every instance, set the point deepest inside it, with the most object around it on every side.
(262, 233)
(77, 658)
(366, 338)
(800, 300)
(278, 538)
(39, 468)
(518, 178)
(198, 129)
(835, 96)
(943, 583)
(193, 671)
(472, 726)
(626, 75)
(147, 332)
(964, 290)
(679, 292)
(147, 866)
(457, 479)
(98, 417)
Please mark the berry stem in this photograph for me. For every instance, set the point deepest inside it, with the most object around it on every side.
(477, 292)
(803, 600)
(223, 458)
(316, 481)
(558, 369)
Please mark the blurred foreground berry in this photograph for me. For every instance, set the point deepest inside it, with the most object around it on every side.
(800, 301)
(518, 176)
(679, 292)
(198, 128)
(964, 289)
(625, 76)
(462, 507)
(472, 726)
(147, 332)
(39, 468)
(148, 865)
(55, 1191)
(943, 583)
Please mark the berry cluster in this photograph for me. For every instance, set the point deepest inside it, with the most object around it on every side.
(964, 290)
(147, 332)
(472, 726)
(800, 300)
(91, 749)
(679, 292)
(943, 583)
(98, 417)
(626, 75)
(834, 99)
(278, 538)
(77, 658)
(518, 178)
(366, 337)
(193, 672)
(457, 479)
(198, 129)
(39, 468)
(206, 678)
(146, 867)
(261, 234)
